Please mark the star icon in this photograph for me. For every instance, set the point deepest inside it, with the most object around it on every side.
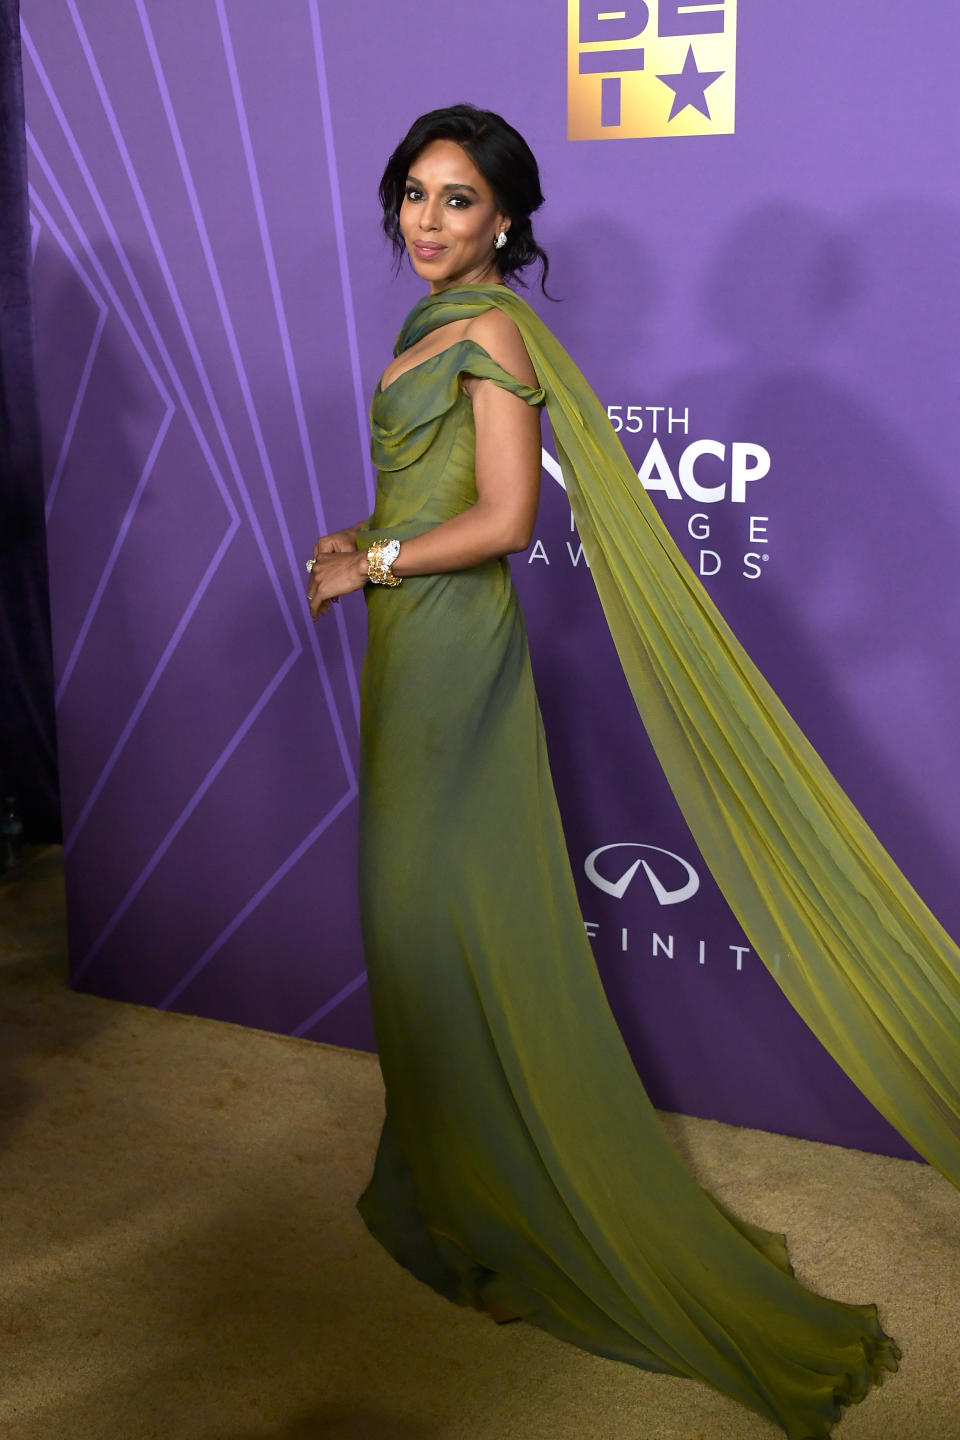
(690, 86)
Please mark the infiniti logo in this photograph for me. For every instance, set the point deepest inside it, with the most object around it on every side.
(618, 887)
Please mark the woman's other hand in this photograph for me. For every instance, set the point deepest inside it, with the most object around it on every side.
(339, 542)
(335, 572)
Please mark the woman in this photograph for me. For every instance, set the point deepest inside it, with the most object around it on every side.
(521, 1167)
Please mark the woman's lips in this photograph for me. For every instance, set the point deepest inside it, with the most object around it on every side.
(427, 251)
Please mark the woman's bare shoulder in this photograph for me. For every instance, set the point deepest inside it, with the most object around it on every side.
(499, 336)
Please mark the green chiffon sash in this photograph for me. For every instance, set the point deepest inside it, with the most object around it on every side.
(852, 945)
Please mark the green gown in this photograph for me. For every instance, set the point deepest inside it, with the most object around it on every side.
(521, 1159)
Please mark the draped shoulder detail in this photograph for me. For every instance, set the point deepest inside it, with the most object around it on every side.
(404, 416)
(852, 945)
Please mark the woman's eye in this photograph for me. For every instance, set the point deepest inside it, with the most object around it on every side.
(412, 194)
(460, 201)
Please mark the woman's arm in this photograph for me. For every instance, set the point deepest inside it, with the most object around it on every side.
(507, 474)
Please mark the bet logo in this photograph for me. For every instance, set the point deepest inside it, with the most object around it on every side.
(655, 67)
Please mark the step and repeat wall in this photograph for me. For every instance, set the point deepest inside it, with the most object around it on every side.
(753, 243)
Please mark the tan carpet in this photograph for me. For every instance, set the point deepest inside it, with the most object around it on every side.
(180, 1258)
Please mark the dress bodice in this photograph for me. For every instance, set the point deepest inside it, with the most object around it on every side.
(423, 438)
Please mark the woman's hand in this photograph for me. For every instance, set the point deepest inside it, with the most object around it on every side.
(335, 572)
(339, 542)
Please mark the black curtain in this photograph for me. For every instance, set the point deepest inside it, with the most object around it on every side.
(28, 765)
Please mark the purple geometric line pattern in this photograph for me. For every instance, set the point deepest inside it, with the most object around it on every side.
(179, 390)
(242, 378)
(122, 531)
(71, 838)
(195, 354)
(271, 263)
(155, 859)
(91, 255)
(224, 436)
(249, 721)
(74, 413)
(148, 690)
(131, 509)
(206, 579)
(85, 280)
(34, 237)
(349, 989)
(121, 310)
(245, 388)
(130, 170)
(336, 201)
(171, 645)
(292, 377)
(128, 273)
(257, 899)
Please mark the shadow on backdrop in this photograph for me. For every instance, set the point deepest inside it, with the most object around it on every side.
(852, 622)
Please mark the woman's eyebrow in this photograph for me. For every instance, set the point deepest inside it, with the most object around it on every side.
(454, 185)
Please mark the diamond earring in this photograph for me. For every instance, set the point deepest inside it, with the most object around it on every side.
(500, 241)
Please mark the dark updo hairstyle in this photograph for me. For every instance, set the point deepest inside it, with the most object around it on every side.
(503, 158)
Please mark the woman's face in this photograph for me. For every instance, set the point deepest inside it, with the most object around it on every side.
(449, 218)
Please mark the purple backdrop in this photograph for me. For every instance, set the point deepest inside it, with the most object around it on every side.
(771, 315)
